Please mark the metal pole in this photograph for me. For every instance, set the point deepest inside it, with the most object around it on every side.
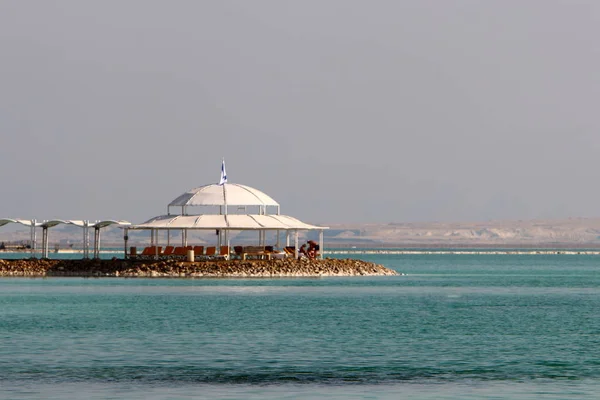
(83, 239)
(32, 238)
(98, 243)
(125, 240)
(321, 244)
(87, 239)
(156, 244)
(95, 242)
(45, 242)
(296, 244)
(34, 245)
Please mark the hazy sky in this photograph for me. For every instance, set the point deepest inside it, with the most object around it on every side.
(343, 111)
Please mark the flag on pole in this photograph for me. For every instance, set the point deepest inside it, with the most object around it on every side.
(223, 174)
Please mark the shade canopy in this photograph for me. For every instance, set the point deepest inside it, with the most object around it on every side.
(54, 222)
(228, 222)
(230, 194)
(26, 222)
(81, 223)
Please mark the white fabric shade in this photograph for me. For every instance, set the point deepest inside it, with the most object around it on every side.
(26, 222)
(230, 194)
(229, 222)
(54, 222)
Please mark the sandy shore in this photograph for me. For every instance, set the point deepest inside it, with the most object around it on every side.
(180, 269)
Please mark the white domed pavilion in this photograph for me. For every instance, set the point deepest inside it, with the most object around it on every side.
(240, 208)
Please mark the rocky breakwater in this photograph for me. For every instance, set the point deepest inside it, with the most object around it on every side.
(203, 269)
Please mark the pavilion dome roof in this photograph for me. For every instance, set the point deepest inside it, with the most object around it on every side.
(230, 194)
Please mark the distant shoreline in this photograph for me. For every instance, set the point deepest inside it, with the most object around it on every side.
(546, 249)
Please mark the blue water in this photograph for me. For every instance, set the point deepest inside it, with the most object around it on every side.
(455, 327)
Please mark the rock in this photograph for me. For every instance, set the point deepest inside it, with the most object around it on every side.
(172, 268)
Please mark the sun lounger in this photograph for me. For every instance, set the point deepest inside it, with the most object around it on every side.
(224, 252)
(198, 252)
(255, 252)
(290, 251)
(150, 252)
(210, 252)
(168, 251)
(238, 251)
(181, 252)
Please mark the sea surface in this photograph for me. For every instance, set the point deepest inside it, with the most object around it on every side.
(456, 326)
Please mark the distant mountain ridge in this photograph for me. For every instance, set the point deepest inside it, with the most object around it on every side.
(521, 232)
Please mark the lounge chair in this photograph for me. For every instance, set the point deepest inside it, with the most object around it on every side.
(224, 252)
(168, 251)
(181, 252)
(210, 252)
(290, 251)
(239, 252)
(256, 251)
(150, 252)
(198, 252)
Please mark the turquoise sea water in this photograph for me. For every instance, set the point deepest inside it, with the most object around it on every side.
(455, 327)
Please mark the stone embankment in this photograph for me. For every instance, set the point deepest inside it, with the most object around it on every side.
(204, 269)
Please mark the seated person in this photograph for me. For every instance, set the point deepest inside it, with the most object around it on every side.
(313, 249)
(302, 252)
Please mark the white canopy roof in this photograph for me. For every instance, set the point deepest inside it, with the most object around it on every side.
(80, 223)
(26, 222)
(54, 222)
(230, 222)
(231, 194)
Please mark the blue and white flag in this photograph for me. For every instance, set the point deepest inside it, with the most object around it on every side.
(223, 174)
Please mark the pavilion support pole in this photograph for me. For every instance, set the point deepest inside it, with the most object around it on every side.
(277, 244)
(321, 244)
(87, 239)
(168, 237)
(84, 227)
(183, 237)
(33, 238)
(44, 242)
(156, 244)
(94, 245)
(185, 242)
(83, 238)
(296, 244)
(287, 238)
(96, 242)
(125, 240)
